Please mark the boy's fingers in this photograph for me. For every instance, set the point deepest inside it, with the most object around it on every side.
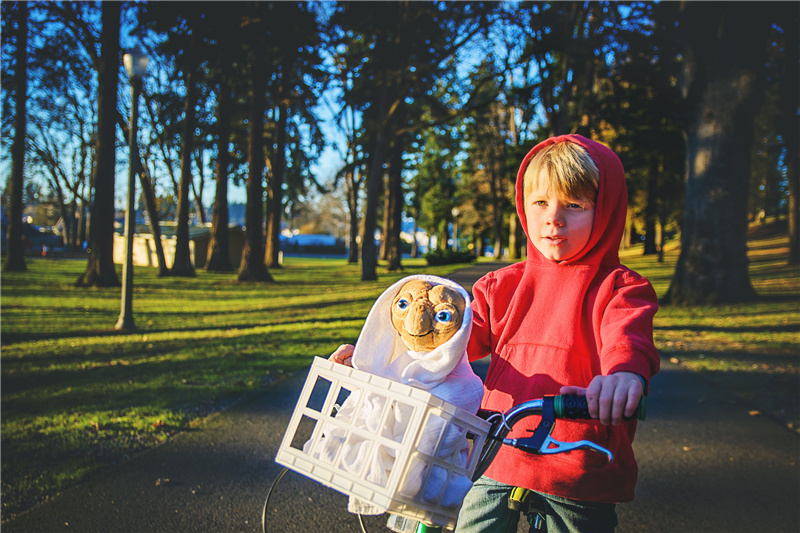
(633, 402)
(572, 389)
(343, 354)
(593, 392)
(621, 399)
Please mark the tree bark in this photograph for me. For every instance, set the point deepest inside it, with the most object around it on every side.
(15, 260)
(100, 270)
(218, 258)
(275, 192)
(182, 264)
(723, 80)
(374, 179)
(252, 267)
(352, 203)
(394, 193)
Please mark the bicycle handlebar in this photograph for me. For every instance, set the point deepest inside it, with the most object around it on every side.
(540, 442)
(574, 407)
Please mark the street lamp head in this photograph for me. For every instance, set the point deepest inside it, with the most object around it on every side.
(135, 62)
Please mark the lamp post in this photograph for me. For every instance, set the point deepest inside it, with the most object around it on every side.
(455, 212)
(135, 64)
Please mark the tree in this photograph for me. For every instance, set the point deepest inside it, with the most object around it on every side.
(295, 59)
(218, 259)
(149, 195)
(788, 119)
(252, 266)
(15, 260)
(639, 100)
(723, 77)
(182, 264)
(404, 46)
(100, 270)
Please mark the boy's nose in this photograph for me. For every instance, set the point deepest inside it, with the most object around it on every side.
(555, 215)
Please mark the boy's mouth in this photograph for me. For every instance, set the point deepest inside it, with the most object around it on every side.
(555, 239)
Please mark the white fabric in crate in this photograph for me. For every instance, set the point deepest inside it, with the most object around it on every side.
(444, 372)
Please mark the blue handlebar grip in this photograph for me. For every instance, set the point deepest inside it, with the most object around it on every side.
(572, 406)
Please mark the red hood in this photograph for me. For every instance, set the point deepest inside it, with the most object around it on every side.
(610, 211)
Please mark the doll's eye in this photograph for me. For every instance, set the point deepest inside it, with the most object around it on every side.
(402, 304)
(444, 316)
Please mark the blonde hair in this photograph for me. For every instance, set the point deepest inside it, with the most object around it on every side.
(567, 169)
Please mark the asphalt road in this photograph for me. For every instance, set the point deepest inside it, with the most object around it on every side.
(706, 465)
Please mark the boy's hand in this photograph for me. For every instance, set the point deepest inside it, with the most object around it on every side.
(610, 397)
(343, 355)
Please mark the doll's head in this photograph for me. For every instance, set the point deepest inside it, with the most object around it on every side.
(426, 315)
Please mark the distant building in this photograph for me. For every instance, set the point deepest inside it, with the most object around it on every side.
(144, 249)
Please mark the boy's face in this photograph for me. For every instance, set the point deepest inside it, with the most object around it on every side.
(558, 227)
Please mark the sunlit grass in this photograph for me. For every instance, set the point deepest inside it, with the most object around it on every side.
(751, 349)
(78, 396)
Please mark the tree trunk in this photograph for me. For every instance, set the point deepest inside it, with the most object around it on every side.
(100, 270)
(197, 192)
(149, 200)
(394, 193)
(151, 205)
(275, 192)
(723, 81)
(182, 263)
(218, 258)
(252, 267)
(651, 212)
(374, 179)
(383, 253)
(352, 202)
(515, 239)
(15, 259)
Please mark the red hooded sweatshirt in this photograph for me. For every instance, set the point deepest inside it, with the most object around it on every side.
(547, 324)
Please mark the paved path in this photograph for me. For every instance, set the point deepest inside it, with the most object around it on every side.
(706, 465)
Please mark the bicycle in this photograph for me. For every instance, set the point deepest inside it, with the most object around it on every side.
(550, 408)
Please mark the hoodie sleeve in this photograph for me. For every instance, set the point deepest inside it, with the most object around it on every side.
(480, 341)
(626, 327)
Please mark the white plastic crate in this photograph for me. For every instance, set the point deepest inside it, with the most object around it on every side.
(421, 459)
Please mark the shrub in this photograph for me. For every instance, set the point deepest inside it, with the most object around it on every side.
(449, 257)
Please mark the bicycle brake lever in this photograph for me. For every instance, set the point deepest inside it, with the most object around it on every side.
(551, 446)
(561, 447)
(542, 443)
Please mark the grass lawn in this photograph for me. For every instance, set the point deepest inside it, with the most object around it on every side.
(78, 396)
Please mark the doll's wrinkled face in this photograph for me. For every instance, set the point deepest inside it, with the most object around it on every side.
(427, 316)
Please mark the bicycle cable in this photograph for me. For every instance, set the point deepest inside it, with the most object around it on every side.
(266, 502)
(269, 495)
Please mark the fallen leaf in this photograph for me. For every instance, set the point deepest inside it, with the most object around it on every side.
(755, 412)
(674, 360)
(687, 448)
(158, 424)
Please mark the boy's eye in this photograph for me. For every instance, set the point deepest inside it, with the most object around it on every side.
(540, 203)
(573, 205)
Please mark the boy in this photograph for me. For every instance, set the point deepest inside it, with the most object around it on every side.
(569, 319)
